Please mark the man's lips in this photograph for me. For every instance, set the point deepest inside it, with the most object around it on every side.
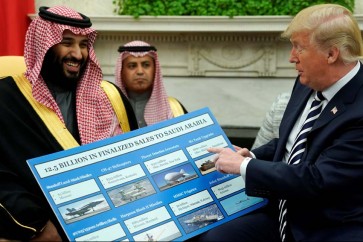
(72, 66)
(140, 80)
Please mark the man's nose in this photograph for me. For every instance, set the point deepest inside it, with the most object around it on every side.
(76, 52)
(293, 57)
(140, 70)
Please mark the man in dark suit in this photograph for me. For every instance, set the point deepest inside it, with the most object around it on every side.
(314, 185)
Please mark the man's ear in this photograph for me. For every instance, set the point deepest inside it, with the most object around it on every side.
(333, 54)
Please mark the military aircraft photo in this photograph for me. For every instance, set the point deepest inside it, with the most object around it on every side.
(175, 177)
(133, 193)
(85, 208)
(81, 211)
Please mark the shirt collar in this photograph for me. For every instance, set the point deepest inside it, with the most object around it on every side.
(332, 90)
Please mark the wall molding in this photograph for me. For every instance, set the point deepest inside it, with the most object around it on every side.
(235, 66)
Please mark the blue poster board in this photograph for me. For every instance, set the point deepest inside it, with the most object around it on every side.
(154, 183)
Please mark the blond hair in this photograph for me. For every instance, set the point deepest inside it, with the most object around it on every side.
(329, 25)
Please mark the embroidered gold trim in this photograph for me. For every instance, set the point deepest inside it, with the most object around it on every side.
(49, 117)
(175, 106)
(117, 104)
(21, 225)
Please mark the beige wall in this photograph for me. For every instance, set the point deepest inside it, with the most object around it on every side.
(105, 7)
(87, 7)
(358, 8)
(236, 67)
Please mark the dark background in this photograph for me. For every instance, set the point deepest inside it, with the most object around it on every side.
(241, 136)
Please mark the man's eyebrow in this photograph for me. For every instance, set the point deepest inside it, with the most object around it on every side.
(67, 38)
(130, 62)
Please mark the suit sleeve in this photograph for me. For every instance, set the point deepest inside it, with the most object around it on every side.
(332, 168)
(22, 214)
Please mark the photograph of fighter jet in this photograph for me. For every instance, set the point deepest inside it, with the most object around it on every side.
(175, 176)
(131, 192)
(83, 209)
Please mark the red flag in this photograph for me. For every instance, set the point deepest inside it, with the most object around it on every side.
(14, 21)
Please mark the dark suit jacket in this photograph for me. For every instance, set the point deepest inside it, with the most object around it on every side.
(324, 192)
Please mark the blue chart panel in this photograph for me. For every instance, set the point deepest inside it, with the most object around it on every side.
(155, 183)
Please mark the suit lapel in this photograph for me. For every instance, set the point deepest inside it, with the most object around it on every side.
(332, 110)
(338, 104)
(293, 110)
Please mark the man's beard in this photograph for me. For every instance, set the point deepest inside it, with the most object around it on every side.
(53, 73)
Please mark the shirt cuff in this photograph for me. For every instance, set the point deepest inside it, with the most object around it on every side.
(243, 167)
(253, 155)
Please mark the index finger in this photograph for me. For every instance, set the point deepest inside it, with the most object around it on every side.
(214, 149)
